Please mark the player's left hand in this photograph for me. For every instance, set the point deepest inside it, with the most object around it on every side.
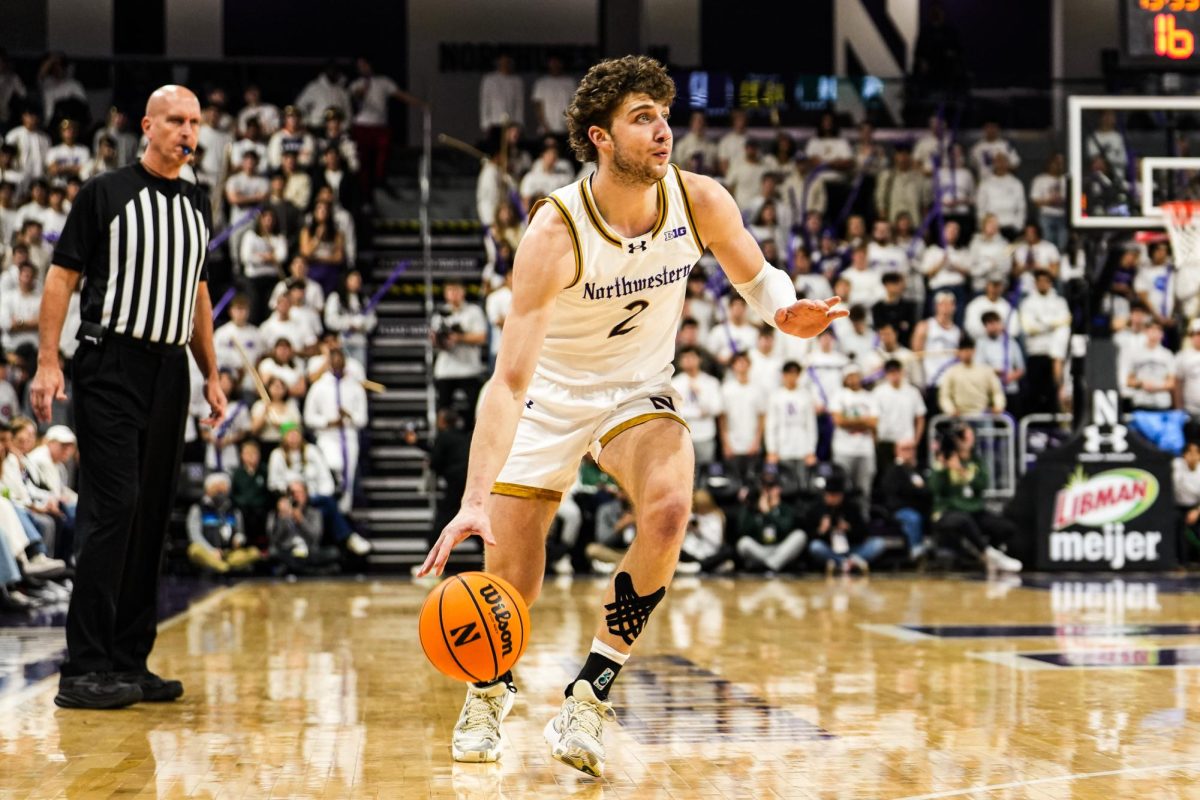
(807, 318)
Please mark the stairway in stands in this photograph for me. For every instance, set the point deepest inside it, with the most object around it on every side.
(397, 490)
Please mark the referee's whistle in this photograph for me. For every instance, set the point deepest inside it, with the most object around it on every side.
(187, 151)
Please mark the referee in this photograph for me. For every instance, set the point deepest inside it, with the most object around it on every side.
(137, 236)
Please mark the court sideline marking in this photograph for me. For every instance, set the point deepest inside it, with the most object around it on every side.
(971, 790)
(212, 598)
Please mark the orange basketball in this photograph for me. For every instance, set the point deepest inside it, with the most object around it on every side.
(474, 627)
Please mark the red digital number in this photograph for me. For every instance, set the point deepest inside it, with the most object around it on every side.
(1170, 40)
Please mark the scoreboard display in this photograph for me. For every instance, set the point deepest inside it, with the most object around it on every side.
(1161, 32)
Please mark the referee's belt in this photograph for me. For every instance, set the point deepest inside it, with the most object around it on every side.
(95, 334)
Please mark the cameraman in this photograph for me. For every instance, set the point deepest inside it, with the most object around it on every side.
(957, 482)
(295, 530)
(458, 331)
(769, 535)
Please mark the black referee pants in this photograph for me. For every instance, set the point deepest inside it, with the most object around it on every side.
(130, 409)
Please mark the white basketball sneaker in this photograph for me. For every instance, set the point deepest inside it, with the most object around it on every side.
(575, 734)
(1000, 562)
(477, 732)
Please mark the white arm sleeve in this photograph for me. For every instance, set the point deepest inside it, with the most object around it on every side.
(767, 292)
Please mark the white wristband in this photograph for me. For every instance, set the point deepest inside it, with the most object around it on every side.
(767, 292)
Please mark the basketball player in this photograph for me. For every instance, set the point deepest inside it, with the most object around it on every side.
(585, 367)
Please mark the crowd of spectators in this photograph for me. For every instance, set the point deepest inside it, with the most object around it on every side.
(287, 186)
(954, 271)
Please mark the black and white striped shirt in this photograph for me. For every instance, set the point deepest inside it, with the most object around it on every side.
(140, 242)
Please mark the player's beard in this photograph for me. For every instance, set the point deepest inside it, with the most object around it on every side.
(631, 172)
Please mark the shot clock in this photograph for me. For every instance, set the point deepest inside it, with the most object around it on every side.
(1161, 32)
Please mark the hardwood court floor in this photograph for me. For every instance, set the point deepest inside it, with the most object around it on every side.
(739, 688)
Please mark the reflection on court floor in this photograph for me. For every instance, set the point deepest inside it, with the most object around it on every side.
(908, 687)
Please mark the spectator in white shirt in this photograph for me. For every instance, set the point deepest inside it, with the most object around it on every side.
(731, 147)
(1003, 354)
(346, 313)
(31, 143)
(291, 138)
(989, 251)
(790, 428)
(548, 173)
(284, 325)
(855, 418)
(371, 131)
(262, 253)
(458, 331)
(932, 146)
(552, 94)
(937, 340)
(57, 85)
(744, 177)
(742, 423)
(336, 410)
(1048, 193)
(116, 127)
(35, 209)
(68, 158)
(1185, 475)
(824, 374)
(1047, 322)
(266, 114)
(501, 97)
(694, 151)
(984, 153)
(324, 91)
(735, 335)
(1155, 285)
(1187, 373)
(809, 284)
(239, 332)
(701, 394)
(54, 215)
(883, 255)
(1032, 253)
(106, 159)
(993, 300)
(1002, 194)
(901, 412)
(957, 188)
(19, 310)
(947, 266)
(252, 139)
(1150, 373)
(283, 364)
(1109, 143)
(829, 150)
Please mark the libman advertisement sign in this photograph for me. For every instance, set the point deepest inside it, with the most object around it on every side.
(1105, 508)
(1090, 516)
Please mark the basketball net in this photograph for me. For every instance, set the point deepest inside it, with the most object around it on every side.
(1183, 224)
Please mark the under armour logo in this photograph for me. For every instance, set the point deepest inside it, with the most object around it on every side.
(1115, 441)
(529, 404)
(636, 246)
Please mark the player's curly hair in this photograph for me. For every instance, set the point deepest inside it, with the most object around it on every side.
(604, 88)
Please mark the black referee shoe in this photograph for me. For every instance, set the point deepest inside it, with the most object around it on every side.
(154, 689)
(96, 690)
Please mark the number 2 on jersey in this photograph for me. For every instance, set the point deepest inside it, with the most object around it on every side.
(623, 327)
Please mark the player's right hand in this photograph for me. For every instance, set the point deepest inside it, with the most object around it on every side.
(47, 387)
(467, 522)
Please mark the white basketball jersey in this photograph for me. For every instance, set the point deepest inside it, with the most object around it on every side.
(617, 320)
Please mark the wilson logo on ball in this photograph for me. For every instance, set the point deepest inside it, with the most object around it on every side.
(491, 596)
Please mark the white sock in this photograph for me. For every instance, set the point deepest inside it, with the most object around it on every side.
(611, 653)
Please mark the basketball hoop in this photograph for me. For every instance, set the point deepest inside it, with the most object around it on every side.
(1183, 223)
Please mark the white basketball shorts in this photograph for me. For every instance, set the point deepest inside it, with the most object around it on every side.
(561, 423)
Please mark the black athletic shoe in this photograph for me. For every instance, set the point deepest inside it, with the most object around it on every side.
(96, 690)
(154, 689)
